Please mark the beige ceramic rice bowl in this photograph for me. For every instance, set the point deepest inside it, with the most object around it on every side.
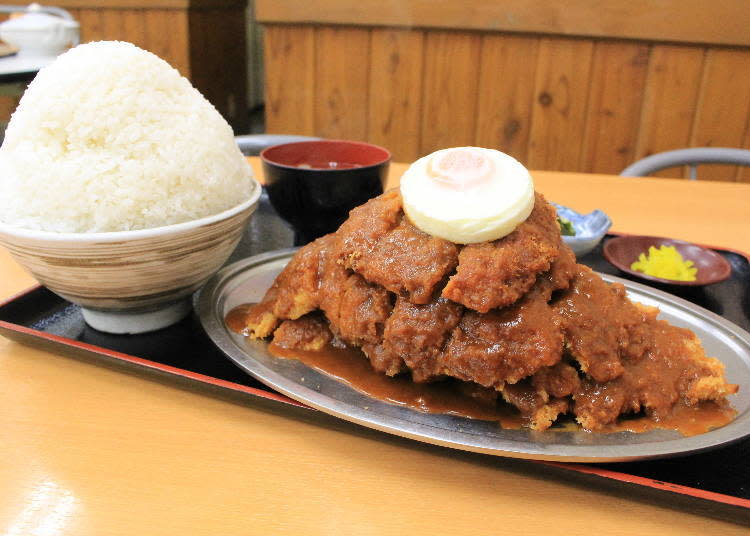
(121, 188)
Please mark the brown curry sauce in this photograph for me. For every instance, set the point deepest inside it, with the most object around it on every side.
(351, 367)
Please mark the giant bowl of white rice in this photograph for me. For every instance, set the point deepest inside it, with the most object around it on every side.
(109, 137)
(121, 187)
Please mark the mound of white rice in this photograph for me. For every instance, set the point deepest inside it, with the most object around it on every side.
(111, 138)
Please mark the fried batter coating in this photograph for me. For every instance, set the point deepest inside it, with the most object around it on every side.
(557, 381)
(632, 361)
(417, 333)
(560, 274)
(379, 243)
(294, 292)
(496, 274)
(357, 310)
(538, 411)
(602, 326)
(675, 369)
(504, 345)
(518, 320)
(309, 333)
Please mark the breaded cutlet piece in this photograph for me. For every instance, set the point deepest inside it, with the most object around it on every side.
(566, 342)
(673, 370)
(538, 411)
(496, 274)
(356, 309)
(308, 333)
(379, 243)
(504, 345)
(294, 292)
(415, 334)
(602, 326)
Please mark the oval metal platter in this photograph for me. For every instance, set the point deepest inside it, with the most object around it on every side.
(247, 280)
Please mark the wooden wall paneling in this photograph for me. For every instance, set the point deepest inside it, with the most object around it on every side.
(743, 172)
(505, 93)
(289, 79)
(10, 95)
(214, 58)
(559, 109)
(124, 25)
(112, 25)
(672, 86)
(167, 35)
(723, 22)
(396, 91)
(618, 77)
(449, 99)
(342, 59)
(723, 107)
(234, 53)
(130, 27)
(90, 21)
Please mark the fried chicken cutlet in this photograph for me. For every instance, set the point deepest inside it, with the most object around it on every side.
(516, 317)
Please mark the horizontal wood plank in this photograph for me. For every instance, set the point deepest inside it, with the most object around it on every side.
(722, 22)
(139, 4)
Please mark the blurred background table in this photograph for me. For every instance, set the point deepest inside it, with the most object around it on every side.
(20, 69)
(89, 450)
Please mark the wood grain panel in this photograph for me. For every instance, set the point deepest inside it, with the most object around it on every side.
(559, 110)
(216, 77)
(194, 36)
(394, 113)
(450, 80)
(743, 173)
(91, 25)
(139, 4)
(573, 104)
(672, 84)
(289, 79)
(8, 104)
(342, 57)
(167, 36)
(112, 24)
(618, 77)
(131, 28)
(694, 21)
(506, 89)
(723, 108)
(123, 25)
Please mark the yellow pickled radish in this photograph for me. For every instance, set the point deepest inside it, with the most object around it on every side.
(666, 263)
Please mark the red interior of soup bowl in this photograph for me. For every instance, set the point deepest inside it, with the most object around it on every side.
(326, 154)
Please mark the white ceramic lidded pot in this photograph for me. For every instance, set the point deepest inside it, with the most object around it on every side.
(37, 33)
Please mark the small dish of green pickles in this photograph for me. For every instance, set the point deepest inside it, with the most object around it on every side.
(582, 232)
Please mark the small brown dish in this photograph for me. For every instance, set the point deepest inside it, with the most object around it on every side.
(623, 251)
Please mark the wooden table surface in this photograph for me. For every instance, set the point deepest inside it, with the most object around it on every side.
(87, 450)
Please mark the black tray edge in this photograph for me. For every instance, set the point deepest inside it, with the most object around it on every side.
(713, 504)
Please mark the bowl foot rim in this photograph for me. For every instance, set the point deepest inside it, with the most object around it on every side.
(129, 323)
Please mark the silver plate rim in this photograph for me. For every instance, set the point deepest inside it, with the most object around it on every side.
(208, 303)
